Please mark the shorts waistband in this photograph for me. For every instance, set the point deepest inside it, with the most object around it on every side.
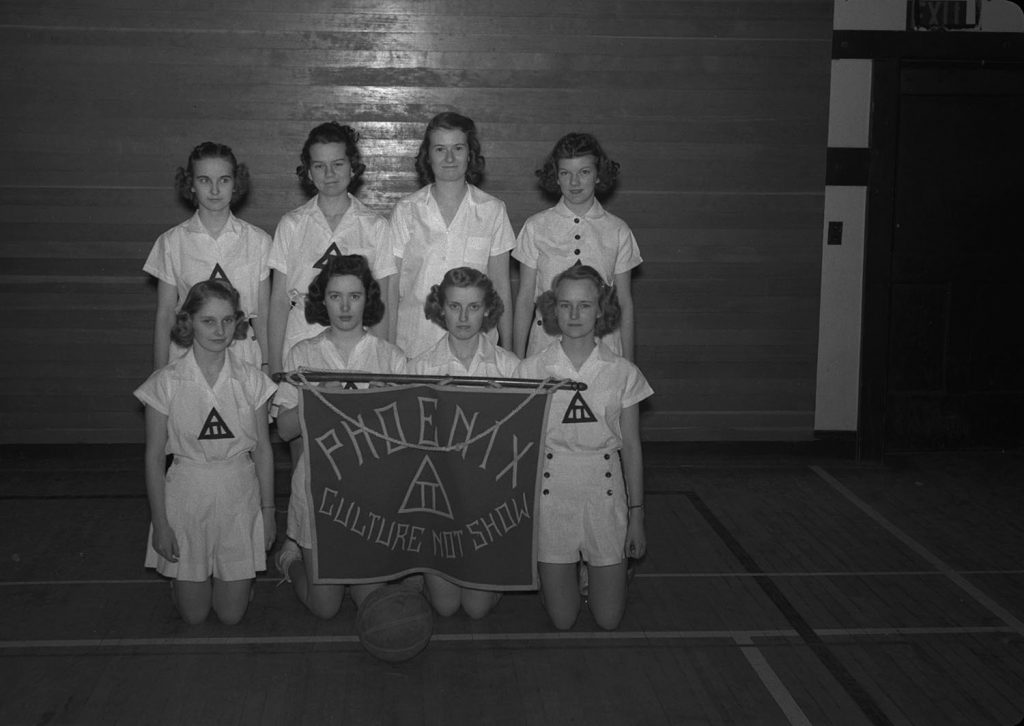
(237, 460)
(596, 453)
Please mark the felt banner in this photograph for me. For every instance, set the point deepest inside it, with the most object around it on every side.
(424, 478)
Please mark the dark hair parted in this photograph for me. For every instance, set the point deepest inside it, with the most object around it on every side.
(573, 146)
(453, 122)
(197, 296)
(331, 133)
(338, 265)
(184, 177)
(609, 315)
(433, 309)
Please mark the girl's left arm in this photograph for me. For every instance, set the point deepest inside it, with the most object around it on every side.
(633, 470)
(624, 291)
(497, 270)
(263, 456)
(259, 323)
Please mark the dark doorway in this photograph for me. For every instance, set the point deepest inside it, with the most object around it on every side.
(954, 363)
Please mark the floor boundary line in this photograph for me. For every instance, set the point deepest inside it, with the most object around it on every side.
(772, 683)
(740, 637)
(923, 552)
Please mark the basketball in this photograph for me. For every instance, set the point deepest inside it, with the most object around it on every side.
(394, 623)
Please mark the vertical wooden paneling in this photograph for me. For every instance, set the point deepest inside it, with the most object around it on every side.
(716, 111)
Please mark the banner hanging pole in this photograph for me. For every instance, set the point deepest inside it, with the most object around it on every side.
(315, 375)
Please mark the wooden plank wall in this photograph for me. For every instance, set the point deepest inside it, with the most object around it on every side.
(716, 110)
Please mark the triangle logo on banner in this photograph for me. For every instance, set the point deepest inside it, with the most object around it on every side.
(332, 251)
(578, 411)
(426, 493)
(219, 274)
(350, 386)
(215, 428)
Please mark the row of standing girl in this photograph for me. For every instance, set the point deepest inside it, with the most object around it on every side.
(448, 224)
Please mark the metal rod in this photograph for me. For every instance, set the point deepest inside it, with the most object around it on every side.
(315, 375)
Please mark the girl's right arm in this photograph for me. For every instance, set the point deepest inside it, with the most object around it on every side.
(391, 303)
(164, 541)
(278, 319)
(288, 426)
(523, 317)
(166, 300)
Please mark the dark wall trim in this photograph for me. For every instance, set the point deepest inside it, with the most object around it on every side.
(920, 45)
(878, 227)
(846, 167)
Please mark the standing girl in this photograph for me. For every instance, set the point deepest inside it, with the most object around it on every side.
(448, 223)
(587, 512)
(346, 299)
(576, 231)
(213, 512)
(212, 245)
(465, 304)
(332, 223)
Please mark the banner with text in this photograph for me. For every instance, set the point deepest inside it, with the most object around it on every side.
(424, 478)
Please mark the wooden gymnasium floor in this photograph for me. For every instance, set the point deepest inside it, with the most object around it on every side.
(781, 588)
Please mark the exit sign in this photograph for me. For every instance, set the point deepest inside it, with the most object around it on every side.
(944, 14)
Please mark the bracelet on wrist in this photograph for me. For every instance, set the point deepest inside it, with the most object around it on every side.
(635, 506)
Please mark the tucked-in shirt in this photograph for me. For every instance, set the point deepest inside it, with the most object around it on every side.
(558, 238)
(581, 421)
(303, 243)
(188, 253)
(428, 249)
(370, 355)
(207, 423)
(489, 361)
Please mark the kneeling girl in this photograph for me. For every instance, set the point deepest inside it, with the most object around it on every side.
(591, 507)
(466, 305)
(345, 298)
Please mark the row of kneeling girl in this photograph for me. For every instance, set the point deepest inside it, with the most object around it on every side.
(423, 292)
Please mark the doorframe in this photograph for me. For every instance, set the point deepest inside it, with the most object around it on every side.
(886, 73)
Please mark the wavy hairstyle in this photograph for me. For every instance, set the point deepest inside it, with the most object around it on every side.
(452, 122)
(331, 133)
(573, 146)
(198, 295)
(609, 315)
(185, 175)
(433, 309)
(338, 265)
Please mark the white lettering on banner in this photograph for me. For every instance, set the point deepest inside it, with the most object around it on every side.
(396, 431)
(360, 429)
(371, 526)
(498, 522)
(428, 430)
(335, 445)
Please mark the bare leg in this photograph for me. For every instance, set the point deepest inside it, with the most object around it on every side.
(561, 593)
(607, 594)
(324, 601)
(477, 603)
(444, 595)
(193, 600)
(231, 599)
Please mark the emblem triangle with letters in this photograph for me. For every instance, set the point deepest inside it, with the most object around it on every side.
(578, 411)
(215, 428)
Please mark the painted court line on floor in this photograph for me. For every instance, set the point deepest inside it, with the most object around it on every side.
(977, 595)
(774, 685)
(639, 575)
(737, 636)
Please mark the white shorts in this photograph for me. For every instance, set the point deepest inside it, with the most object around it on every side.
(214, 511)
(582, 512)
